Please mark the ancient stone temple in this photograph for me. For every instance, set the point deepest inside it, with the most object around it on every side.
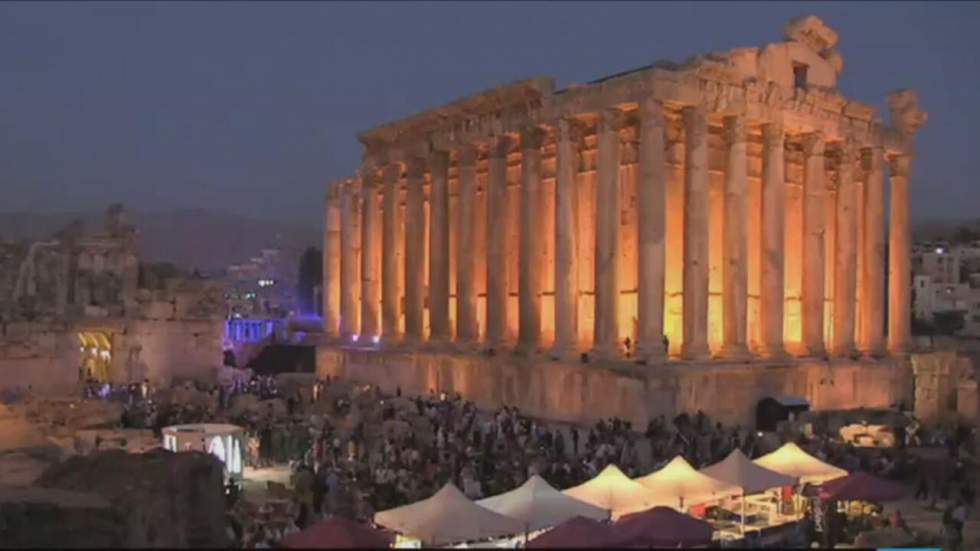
(725, 210)
(82, 304)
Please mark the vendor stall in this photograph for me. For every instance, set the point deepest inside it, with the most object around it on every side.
(448, 517)
(791, 460)
(678, 485)
(756, 507)
(661, 527)
(579, 532)
(613, 491)
(540, 506)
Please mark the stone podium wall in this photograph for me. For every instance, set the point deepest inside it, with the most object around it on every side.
(578, 392)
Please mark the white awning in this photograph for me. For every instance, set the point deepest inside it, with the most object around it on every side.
(540, 506)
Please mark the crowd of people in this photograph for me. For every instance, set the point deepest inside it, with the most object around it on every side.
(354, 455)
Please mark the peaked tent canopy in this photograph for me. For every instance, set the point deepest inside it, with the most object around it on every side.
(338, 533)
(742, 472)
(613, 491)
(661, 527)
(678, 483)
(447, 517)
(791, 460)
(579, 532)
(861, 486)
(540, 506)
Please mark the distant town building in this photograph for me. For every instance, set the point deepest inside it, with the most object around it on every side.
(946, 280)
(264, 287)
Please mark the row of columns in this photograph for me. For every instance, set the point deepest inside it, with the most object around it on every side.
(401, 270)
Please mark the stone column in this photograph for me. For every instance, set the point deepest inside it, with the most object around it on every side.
(350, 261)
(845, 253)
(814, 224)
(772, 282)
(566, 232)
(899, 249)
(872, 296)
(652, 203)
(331, 262)
(497, 214)
(696, 231)
(439, 247)
(606, 343)
(370, 257)
(530, 259)
(414, 250)
(467, 325)
(392, 257)
(735, 255)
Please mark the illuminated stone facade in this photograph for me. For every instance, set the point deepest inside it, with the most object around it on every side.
(733, 204)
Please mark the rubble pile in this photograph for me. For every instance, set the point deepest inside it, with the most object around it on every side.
(42, 517)
(168, 500)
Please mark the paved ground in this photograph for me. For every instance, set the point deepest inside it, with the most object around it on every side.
(922, 519)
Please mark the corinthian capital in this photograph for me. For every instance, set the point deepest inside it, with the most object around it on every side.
(415, 168)
(651, 112)
(734, 130)
(900, 165)
(570, 129)
(500, 146)
(532, 137)
(468, 154)
(872, 158)
(813, 144)
(368, 174)
(611, 120)
(772, 133)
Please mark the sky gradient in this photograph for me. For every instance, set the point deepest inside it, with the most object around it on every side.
(253, 107)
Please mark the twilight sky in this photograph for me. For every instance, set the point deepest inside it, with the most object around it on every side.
(252, 107)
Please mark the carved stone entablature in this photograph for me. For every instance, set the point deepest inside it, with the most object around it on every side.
(906, 116)
(437, 119)
(723, 98)
(812, 31)
(716, 69)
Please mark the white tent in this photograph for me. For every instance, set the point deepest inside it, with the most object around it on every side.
(790, 460)
(613, 491)
(740, 471)
(447, 517)
(678, 484)
(540, 506)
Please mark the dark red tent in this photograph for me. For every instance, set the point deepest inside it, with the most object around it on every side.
(338, 533)
(861, 486)
(661, 527)
(579, 532)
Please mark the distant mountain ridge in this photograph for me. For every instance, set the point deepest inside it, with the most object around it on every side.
(205, 239)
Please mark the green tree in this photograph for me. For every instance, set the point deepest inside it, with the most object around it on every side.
(949, 322)
(310, 275)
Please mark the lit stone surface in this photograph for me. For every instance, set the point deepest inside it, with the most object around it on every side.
(731, 207)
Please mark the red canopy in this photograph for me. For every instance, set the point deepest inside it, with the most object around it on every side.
(339, 533)
(861, 486)
(662, 527)
(579, 532)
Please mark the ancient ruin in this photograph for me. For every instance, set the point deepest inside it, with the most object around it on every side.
(727, 209)
(83, 305)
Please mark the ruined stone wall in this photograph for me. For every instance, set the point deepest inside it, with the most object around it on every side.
(46, 360)
(584, 393)
(179, 349)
